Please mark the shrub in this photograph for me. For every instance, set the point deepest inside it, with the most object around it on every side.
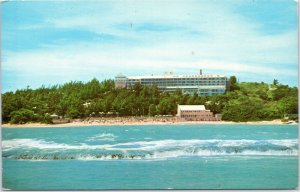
(22, 116)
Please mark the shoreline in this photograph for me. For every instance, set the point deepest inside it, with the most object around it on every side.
(118, 122)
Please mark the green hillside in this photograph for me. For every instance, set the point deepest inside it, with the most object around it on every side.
(242, 102)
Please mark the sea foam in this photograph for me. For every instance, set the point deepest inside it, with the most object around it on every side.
(102, 137)
(159, 149)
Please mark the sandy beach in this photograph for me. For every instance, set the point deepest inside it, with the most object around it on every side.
(132, 121)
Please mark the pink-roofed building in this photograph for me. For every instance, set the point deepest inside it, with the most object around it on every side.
(195, 113)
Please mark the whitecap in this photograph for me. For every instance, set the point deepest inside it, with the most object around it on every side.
(159, 149)
(102, 137)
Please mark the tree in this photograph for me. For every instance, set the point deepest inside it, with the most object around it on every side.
(107, 85)
(232, 84)
(243, 109)
(284, 91)
(46, 119)
(8, 105)
(22, 116)
(152, 110)
(288, 105)
(73, 113)
(137, 87)
(275, 82)
(167, 106)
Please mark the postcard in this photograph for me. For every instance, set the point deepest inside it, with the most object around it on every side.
(138, 95)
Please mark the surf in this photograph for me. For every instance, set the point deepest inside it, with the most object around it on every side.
(34, 149)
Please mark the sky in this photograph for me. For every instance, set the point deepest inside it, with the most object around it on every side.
(53, 42)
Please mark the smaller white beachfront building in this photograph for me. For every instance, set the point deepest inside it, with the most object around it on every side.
(195, 113)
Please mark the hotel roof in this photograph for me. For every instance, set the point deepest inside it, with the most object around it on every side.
(191, 107)
(173, 76)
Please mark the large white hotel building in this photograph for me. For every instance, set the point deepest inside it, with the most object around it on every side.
(204, 85)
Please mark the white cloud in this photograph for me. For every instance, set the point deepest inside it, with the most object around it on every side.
(225, 35)
(210, 36)
(76, 59)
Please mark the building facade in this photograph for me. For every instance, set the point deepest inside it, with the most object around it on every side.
(204, 85)
(195, 113)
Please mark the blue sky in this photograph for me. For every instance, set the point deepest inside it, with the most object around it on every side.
(52, 42)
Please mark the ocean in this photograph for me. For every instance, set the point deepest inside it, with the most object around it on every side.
(230, 156)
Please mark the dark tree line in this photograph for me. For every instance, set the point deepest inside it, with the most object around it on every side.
(242, 101)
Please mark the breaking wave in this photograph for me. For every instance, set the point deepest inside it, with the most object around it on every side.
(32, 149)
(103, 137)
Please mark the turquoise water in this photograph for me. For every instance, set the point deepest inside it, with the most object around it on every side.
(151, 157)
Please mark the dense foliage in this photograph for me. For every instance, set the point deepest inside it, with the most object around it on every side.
(242, 102)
